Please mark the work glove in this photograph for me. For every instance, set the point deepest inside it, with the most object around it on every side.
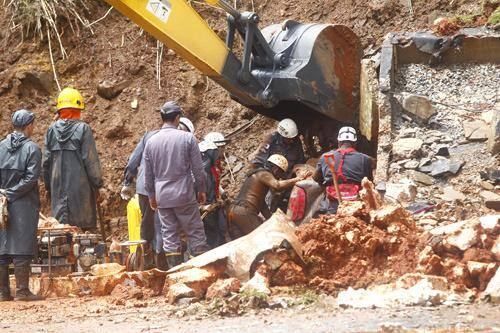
(127, 192)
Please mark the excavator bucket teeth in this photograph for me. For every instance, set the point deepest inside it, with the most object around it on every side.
(320, 70)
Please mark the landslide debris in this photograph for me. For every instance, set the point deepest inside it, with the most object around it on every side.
(359, 248)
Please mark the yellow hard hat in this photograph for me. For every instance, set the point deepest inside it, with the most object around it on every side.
(70, 98)
(279, 160)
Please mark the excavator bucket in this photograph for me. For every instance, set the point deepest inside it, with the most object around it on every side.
(321, 71)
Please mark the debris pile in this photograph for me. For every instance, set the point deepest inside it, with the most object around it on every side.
(359, 246)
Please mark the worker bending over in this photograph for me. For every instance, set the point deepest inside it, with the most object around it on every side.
(243, 215)
(350, 166)
(20, 167)
(212, 148)
(150, 222)
(171, 161)
(285, 141)
(71, 167)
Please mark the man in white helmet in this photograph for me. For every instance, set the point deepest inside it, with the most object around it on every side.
(351, 167)
(212, 148)
(243, 215)
(150, 222)
(284, 141)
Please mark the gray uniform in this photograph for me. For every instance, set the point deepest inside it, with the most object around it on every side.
(72, 172)
(150, 222)
(171, 160)
(20, 168)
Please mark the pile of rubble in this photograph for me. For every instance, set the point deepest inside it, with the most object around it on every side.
(447, 135)
(363, 244)
(370, 243)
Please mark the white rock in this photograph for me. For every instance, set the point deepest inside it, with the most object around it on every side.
(489, 222)
(495, 249)
(450, 194)
(406, 148)
(448, 229)
(405, 191)
(258, 283)
(493, 289)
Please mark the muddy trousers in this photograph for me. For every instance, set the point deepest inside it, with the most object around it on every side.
(22, 273)
(215, 228)
(188, 219)
(150, 224)
(241, 221)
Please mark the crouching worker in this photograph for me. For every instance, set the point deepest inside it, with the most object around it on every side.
(20, 164)
(243, 215)
(350, 166)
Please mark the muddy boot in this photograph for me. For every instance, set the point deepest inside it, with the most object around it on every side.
(22, 273)
(173, 259)
(161, 261)
(4, 284)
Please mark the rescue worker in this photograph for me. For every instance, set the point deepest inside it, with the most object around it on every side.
(243, 214)
(211, 149)
(150, 222)
(171, 160)
(285, 141)
(71, 167)
(351, 167)
(20, 168)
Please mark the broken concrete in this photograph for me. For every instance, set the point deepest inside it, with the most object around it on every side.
(179, 290)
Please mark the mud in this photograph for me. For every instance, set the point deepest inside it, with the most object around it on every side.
(344, 250)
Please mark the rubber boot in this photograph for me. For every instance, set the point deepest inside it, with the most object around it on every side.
(161, 261)
(22, 273)
(4, 284)
(173, 259)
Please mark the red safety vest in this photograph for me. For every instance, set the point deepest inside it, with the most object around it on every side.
(348, 191)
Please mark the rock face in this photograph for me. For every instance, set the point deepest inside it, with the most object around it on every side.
(406, 148)
(418, 106)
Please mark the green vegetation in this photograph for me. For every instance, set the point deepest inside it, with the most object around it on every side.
(494, 17)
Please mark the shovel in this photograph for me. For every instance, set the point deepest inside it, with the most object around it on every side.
(101, 226)
(330, 160)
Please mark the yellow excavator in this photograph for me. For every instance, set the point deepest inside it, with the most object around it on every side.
(308, 72)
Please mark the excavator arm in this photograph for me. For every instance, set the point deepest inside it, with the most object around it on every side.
(288, 70)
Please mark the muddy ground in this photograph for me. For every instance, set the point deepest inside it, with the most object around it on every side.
(117, 50)
(90, 314)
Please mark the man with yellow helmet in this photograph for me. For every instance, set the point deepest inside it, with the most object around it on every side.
(243, 215)
(71, 167)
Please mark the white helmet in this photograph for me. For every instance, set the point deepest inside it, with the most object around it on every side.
(188, 123)
(280, 161)
(206, 145)
(288, 128)
(216, 138)
(347, 134)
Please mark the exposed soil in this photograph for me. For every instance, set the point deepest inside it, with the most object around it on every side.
(117, 50)
(343, 250)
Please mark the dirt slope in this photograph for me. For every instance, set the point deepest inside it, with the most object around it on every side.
(119, 50)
